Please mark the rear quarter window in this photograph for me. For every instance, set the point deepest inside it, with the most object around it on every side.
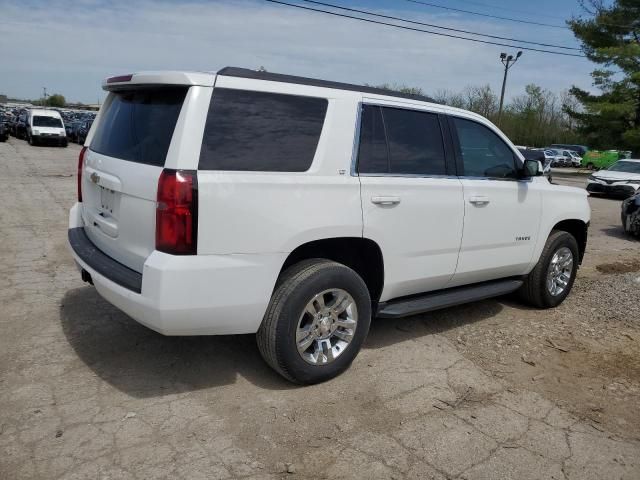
(138, 125)
(260, 131)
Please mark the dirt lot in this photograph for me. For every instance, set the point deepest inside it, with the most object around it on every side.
(484, 391)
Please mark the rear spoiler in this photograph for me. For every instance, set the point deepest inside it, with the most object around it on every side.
(141, 79)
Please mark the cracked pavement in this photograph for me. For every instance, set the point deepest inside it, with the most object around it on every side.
(86, 392)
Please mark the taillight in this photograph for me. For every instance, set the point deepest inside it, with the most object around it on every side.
(120, 78)
(80, 165)
(177, 212)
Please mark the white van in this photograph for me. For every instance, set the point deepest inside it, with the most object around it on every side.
(299, 209)
(45, 126)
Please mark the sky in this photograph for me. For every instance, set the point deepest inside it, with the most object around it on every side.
(70, 47)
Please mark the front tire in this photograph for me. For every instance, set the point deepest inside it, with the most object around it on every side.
(551, 280)
(316, 322)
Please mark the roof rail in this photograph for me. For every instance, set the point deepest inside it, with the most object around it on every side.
(278, 77)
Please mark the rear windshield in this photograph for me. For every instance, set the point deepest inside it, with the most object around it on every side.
(138, 125)
(39, 121)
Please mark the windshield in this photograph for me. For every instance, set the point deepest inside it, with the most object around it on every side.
(47, 122)
(628, 167)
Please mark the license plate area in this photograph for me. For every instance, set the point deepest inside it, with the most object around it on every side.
(108, 202)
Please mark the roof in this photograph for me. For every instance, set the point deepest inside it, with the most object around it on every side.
(278, 77)
(44, 112)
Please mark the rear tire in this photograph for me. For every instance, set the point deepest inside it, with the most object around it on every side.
(303, 309)
(543, 286)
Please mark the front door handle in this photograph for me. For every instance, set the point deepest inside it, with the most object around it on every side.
(385, 200)
(479, 199)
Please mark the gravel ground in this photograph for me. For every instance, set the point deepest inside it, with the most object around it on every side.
(490, 390)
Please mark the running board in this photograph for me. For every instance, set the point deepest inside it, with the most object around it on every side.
(446, 298)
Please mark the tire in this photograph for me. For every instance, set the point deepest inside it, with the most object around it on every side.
(30, 139)
(64, 144)
(295, 290)
(535, 290)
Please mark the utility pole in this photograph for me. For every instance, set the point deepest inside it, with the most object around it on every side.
(44, 96)
(507, 61)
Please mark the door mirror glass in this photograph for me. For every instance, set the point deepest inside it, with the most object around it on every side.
(531, 168)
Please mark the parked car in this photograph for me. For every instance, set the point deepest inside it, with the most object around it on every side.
(83, 130)
(298, 209)
(548, 157)
(620, 179)
(4, 128)
(45, 126)
(630, 215)
(557, 159)
(596, 160)
(71, 129)
(576, 160)
(20, 125)
(565, 158)
(580, 149)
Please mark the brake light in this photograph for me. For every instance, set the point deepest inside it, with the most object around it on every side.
(80, 166)
(120, 78)
(177, 212)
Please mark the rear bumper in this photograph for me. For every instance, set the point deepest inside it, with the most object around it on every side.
(182, 295)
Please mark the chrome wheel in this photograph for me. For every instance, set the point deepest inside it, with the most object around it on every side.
(560, 271)
(326, 327)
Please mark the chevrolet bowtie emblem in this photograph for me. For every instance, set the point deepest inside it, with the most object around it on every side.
(95, 178)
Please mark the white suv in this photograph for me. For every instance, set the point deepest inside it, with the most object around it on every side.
(298, 209)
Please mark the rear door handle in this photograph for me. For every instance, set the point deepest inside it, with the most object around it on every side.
(479, 199)
(385, 200)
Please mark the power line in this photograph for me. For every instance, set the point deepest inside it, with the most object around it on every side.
(429, 4)
(438, 26)
(404, 27)
(507, 9)
(435, 5)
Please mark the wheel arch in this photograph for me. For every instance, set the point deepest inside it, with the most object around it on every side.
(578, 229)
(363, 255)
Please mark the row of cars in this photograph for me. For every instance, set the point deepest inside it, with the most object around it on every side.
(615, 175)
(45, 126)
(558, 155)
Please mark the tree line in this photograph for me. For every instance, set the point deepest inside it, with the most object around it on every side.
(54, 100)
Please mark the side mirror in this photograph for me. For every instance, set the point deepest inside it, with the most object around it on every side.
(531, 168)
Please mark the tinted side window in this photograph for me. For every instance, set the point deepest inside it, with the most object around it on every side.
(138, 125)
(398, 141)
(373, 155)
(415, 142)
(484, 153)
(258, 131)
